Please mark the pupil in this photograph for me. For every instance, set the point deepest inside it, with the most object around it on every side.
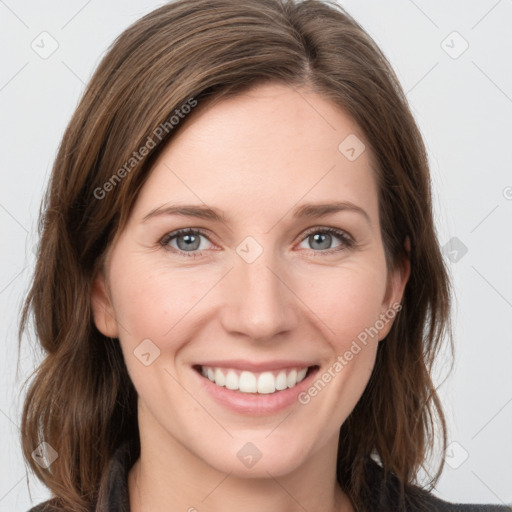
(319, 237)
(189, 241)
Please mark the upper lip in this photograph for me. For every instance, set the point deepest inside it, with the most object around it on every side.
(251, 366)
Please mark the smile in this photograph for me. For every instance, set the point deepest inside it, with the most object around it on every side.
(255, 388)
(266, 382)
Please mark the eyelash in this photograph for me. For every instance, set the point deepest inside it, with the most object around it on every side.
(347, 240)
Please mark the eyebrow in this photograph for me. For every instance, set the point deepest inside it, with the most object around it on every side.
(308, 210)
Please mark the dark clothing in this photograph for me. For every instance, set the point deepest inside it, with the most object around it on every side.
(383, 498)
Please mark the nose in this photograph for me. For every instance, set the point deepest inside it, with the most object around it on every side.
(258, 300)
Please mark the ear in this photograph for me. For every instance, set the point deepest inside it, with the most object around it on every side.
(103, 311)
(397, 280)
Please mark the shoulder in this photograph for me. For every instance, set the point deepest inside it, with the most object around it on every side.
(385, 496)
(430, 502)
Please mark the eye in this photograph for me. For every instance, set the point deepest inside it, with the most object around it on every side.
(188, 242)
(320, 240)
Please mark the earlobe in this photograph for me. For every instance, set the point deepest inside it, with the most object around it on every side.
(103, 312)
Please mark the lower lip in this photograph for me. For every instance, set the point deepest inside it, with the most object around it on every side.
(254, 403)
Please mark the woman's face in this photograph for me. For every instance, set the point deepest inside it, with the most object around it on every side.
(268, 284)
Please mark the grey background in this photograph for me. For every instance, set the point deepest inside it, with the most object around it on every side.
(463, 105)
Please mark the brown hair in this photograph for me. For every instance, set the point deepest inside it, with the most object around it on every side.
(81, 400)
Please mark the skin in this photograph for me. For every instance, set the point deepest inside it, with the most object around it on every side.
(256, 157)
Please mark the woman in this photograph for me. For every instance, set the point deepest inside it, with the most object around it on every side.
(203, 353)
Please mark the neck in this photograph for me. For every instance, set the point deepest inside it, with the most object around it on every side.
(169, 477)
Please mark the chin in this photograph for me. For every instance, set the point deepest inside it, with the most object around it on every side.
(257, 458)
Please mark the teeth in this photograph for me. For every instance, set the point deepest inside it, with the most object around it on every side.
(232, 380)
(292, 378)
(249, 382)
(219, 377)
(266, 383)
(282, 381)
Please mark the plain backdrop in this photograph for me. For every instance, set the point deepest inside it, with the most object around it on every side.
(454, 62)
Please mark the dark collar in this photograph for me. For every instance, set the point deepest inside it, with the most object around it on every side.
(113, 491)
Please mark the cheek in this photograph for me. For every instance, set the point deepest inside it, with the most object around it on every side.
(349, 306)
(347, 299)
(148, 304)
(157, 303)
(150, 307)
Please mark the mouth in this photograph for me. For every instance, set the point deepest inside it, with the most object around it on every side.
(248, 387)
(269, 382)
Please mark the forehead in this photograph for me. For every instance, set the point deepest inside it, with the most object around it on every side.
(261, 153)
